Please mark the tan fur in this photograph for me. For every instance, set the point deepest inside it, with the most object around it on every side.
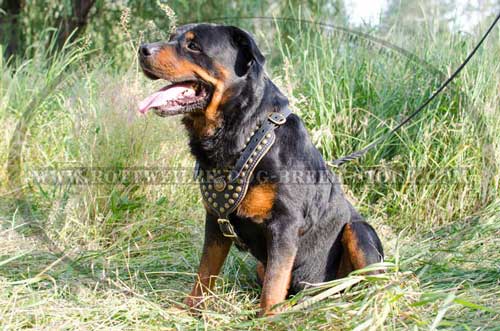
(211, 262)
(261, 271)
(345, 266)
(170, 67)
(351, 248)
(258, 202)
(276, 285)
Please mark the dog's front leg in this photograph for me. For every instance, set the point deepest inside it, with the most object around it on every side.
(215, 250)
(282, 243)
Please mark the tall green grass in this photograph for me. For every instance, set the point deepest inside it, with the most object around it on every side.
(123, 255)
(351, 92)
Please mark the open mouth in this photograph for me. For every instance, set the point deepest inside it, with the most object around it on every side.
(177, 98)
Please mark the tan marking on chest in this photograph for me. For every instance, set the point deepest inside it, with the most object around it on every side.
(258, 202)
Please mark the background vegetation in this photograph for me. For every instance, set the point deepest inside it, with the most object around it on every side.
(123, 254)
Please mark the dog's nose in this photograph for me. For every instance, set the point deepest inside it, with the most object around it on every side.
(147, 50)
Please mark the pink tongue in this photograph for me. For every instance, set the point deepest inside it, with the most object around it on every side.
(166, 94)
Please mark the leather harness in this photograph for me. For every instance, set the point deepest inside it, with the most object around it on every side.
(224, 190)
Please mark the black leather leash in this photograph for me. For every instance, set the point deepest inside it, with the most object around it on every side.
(223, 190)
(359, 153)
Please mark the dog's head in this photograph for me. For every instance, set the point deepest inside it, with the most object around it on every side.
(208, 66)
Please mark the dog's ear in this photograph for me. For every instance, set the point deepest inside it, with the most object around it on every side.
(249, 54)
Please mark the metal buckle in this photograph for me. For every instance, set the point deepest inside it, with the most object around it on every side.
(277, 118)
(226, 228)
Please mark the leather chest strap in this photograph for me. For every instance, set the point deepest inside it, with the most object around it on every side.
(224, 190)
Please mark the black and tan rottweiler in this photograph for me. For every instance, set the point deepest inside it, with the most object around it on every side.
(300, 232)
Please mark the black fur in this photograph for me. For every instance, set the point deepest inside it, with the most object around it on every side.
(309, 217)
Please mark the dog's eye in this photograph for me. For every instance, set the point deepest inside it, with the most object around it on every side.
(192, 46)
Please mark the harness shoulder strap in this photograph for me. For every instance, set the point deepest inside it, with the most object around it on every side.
(274, 120)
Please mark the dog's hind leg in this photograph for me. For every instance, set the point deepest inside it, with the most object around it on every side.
(360, 247)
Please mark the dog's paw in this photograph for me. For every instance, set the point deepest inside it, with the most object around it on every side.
(273, 310)
(194, 304)
(270, 312)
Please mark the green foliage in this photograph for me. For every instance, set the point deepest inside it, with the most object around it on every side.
(122, 254)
